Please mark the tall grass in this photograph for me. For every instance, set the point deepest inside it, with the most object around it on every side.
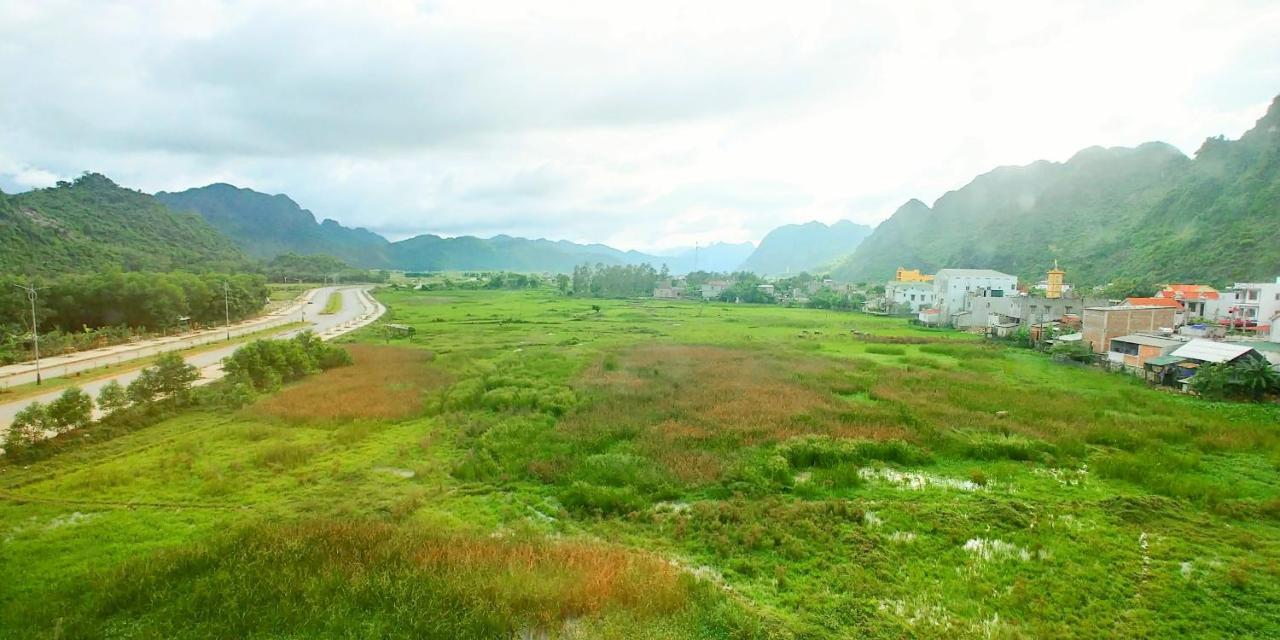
(368, 579)
(383, 383)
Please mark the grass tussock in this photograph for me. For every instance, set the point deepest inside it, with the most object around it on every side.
(384, 383)
(370, 579)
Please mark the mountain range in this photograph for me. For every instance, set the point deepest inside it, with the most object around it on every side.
(1149, 213)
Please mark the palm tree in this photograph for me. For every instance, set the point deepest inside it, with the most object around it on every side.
(1257, 376)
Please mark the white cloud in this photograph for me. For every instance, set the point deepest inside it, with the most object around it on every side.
(641, 124)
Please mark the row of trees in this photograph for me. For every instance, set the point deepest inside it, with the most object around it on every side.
(169, 380)
(153, 301)
(291, 267)
(83, 311)
(613, 281)
(260, 366)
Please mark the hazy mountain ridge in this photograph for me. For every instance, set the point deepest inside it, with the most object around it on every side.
(794, 248)
(1145, 212)
(270, 225)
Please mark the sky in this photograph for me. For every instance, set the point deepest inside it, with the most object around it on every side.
(643, 125)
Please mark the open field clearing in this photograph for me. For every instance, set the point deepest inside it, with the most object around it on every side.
(527, 466)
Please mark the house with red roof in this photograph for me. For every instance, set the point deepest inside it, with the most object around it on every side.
(1198, 300)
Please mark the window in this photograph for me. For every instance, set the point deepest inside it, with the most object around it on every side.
(1127, 348)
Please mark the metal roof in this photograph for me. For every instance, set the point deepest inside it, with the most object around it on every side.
(1210, 351)
(1160, 361)
(1150, 341)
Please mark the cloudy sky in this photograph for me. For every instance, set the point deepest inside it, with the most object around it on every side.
(640, 124)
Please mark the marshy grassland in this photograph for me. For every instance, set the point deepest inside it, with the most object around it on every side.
(525, 465)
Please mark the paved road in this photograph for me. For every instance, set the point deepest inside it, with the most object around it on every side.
(358, 309)
(70, 363)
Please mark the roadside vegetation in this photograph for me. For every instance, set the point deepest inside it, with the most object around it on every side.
(527, 464)
(333, 304)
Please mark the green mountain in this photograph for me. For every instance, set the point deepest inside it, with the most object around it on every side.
(92, 224)
(1148, 212)
(794, 248)
(266, 226)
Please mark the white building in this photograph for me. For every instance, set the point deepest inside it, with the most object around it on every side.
(950, 286)
(712, 289)
(904, 297)
(1257, 302)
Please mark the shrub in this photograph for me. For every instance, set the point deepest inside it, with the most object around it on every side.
(71, 410)
(28, 427)
(583, 496)
(112, 397)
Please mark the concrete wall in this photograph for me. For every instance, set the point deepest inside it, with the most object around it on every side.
(1101, 325)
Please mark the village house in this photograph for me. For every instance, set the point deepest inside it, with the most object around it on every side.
(1180, 366)
(668, 290)
(1179, 315)
(908, 296)
(1198, 300)
(713, 288)
(1256, 305)
(1133, 351)
(1101, 324)
(951, 286)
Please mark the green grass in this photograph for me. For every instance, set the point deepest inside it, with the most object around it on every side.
(797, 479)
(333, 305)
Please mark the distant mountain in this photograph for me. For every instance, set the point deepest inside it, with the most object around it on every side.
(1147, 212)
(794, 248)
(266, 226)
(93, 224)
(716, 257)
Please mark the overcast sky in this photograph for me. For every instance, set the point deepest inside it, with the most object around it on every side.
(639, 124)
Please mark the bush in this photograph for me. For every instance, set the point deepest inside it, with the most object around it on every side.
(112, 398)
(264, 365)
(71, 410)
(28, 427)
(582, 496)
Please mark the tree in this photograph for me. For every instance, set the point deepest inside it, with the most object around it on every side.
(71, 410)
(144, 388)
(562, 283)
(28, 427)
(174, 376)
(1257, 377)
(112, 397)
(1212, 381)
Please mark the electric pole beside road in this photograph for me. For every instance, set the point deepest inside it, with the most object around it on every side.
(32, 294)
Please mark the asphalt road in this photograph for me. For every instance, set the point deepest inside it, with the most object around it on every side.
(358, 309)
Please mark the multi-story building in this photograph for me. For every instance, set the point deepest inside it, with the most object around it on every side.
(951, 286)
(908, 297)
(1256, 303)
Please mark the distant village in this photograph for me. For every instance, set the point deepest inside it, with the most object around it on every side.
(1165, 338)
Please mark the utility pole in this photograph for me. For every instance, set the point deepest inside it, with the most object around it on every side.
(32, 294)
(226, 306)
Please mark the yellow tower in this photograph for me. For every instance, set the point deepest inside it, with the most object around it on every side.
(1054, 282)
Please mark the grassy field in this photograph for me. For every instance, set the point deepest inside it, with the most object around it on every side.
(333, 304)
(527, 466)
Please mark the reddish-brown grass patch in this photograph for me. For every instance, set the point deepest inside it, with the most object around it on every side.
(383, 383)
(683, 402)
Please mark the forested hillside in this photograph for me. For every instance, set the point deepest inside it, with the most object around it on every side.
(1147, 212)
(266, 226)
(92, 224)
(794, 248)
